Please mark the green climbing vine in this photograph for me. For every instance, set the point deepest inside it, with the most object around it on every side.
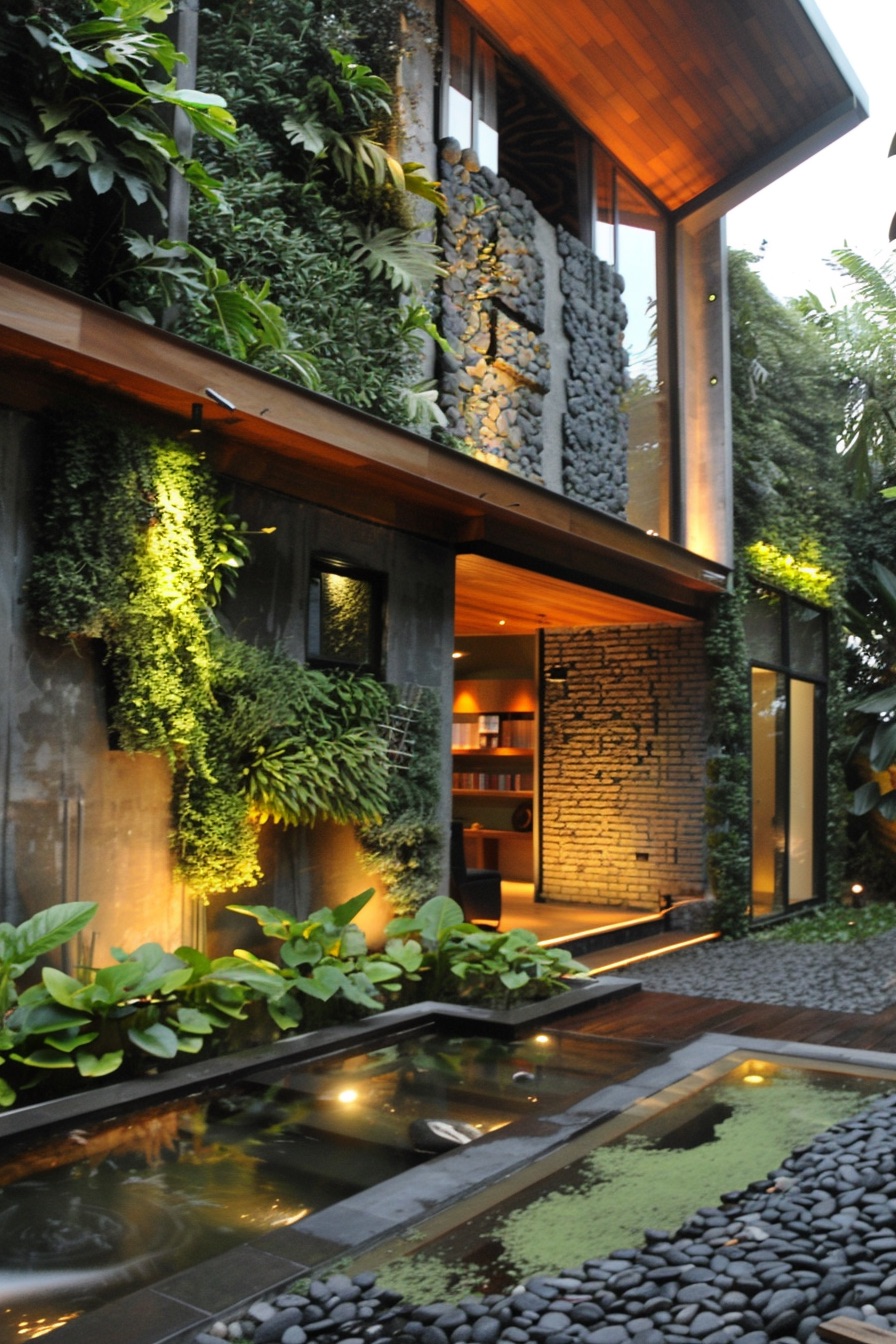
(136, 550)
(728, 785)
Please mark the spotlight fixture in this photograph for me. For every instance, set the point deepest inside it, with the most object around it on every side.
(196, 418)
(222, 401)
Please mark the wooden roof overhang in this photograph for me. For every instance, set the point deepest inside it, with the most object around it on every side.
(311, 447)
(704, 101)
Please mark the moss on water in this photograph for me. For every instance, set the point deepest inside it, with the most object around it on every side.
(655, 1176)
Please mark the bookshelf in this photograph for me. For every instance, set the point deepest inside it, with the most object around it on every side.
(493, 754)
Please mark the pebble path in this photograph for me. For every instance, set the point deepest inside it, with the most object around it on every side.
(858, 977)
(815, 1238)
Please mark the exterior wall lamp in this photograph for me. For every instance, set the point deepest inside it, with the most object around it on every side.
(558, 675)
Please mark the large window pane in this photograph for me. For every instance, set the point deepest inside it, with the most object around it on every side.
(762, 627)
(640, 260)
(460, 82)
(769, 794)
(807, 642)
(486, 106)
(801, 819)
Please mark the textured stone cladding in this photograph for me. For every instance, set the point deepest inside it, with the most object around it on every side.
(623, 765)
(492, 389)
(595, 428)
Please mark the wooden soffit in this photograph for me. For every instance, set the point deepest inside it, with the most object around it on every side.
(698, 98)
(495, 598)
(264, 430)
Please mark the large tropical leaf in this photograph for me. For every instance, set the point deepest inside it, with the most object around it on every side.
(398, 255)
(51, 928)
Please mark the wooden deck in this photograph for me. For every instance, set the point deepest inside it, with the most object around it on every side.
(674, 1019)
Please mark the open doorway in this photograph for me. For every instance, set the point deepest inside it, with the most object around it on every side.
(494, 756)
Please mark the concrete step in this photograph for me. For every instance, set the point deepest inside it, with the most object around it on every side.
(614, 958)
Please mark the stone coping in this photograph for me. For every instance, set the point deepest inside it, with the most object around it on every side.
(175, 1309)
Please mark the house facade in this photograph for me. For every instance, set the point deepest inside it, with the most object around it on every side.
(548, 567)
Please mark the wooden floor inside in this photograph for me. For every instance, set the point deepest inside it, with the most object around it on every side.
(674, 1019)
(556, 919)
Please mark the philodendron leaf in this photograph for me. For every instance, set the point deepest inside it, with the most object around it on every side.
(97, 1066)
(194, 1021)
(7, 1094)
(45, 1059)
(51, 927)
(514, 979)
(157, 1040)
(345, 913)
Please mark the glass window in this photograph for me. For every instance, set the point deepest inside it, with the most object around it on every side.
(769, 797)
(604, 242)
(486, 140)
(762, 627)
(460, 80)
(807, 639)
(344, 618)
(640, 260)
(801, 804)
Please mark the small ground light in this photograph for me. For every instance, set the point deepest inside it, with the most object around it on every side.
(542, 1039)
(857, 888)
(754, 1078)
(347, 1096)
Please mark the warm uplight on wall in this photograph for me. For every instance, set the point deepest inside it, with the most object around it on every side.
(754, 1079)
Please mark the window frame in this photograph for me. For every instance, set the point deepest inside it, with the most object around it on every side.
(321, 565)
(791, 671)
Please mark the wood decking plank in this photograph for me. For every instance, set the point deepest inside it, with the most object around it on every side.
(676, 1018)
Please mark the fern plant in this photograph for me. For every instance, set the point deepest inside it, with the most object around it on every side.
(137, 550)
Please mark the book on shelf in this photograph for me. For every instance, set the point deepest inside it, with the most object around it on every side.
(501, 781)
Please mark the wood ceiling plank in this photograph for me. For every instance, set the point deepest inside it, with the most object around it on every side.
(684, 92)
(492, 597)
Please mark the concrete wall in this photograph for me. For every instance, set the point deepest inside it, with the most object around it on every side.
(83, 822)
(623, 765)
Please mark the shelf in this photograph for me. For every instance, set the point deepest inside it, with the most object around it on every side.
(493, 793)
(493, 751)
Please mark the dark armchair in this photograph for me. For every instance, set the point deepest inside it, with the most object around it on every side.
(476, 890)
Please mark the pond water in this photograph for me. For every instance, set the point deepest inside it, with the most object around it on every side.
(93, 1213)
(650, 1168)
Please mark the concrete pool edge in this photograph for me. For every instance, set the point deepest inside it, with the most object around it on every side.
(176, 1309)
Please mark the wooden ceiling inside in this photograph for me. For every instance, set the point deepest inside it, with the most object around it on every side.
(493, 598)
(688, 94)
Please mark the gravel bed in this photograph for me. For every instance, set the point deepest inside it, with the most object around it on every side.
(815, 1238)
(857, 977)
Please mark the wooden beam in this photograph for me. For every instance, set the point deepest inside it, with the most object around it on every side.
(283, 437)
